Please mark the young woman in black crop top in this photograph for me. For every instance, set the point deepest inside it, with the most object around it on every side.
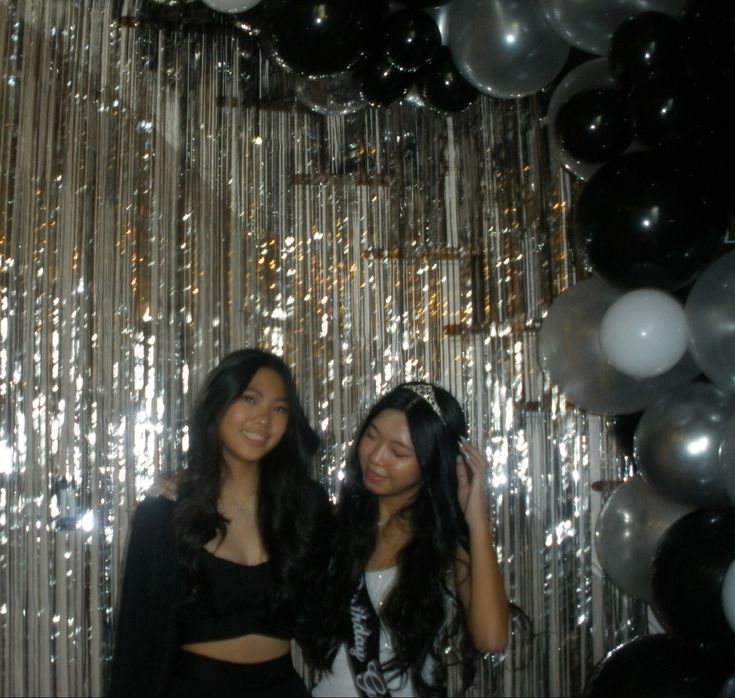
(216, 581)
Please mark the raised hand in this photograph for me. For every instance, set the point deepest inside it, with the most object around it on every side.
(472, 469)
(164, 487)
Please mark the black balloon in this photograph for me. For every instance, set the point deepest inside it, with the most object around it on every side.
(425, 3)
(728, 688)
(250, 22)
(710, 50)
(666, 112)
(178, 4)
(709, 27)
(595, 125)
(380, 82)
(320, 37)
(623, 428)
(656, 665)
(442, 86)
(177, 12)
(687, 573)
(648, 45)
(411, 39)
(651, 219)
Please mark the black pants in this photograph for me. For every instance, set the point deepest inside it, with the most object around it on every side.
(194, 676)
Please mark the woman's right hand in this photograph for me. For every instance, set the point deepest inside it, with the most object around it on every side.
(167, 487)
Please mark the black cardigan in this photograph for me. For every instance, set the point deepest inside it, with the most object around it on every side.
(145, 636)
(146, 640)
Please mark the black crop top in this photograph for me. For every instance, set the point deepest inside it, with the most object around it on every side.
(236, 602)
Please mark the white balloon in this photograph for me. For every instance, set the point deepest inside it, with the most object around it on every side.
(644, 333)
(231, 6)
(569, 351)
(728, 595)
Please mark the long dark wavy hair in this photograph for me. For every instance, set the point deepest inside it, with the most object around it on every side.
(415, 611)
(291, 510)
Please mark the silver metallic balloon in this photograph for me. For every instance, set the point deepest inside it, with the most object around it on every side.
(629, 528)
(727, 457)
(569, 350)
(677, 443)
(504, 48)
(590, 24)
(710, 309)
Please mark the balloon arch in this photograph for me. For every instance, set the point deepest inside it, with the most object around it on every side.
(638, 112)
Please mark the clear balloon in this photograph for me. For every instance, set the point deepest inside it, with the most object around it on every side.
(728, 595)
(591, 75)
(644, 333)
(231, 6)
(590, 24)
(677, 443)
(338, 94)
(710, 309)
(569, 350)
(628, 531)
(727, 457)
(505, 48)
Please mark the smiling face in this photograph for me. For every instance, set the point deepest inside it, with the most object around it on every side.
(387, 457)
(255, 422)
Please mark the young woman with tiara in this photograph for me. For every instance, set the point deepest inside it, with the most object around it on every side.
(216, 581)
(413, 577)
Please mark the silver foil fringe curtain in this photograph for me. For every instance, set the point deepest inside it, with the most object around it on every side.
(164, 200)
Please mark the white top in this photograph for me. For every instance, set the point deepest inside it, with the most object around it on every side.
(338, 681)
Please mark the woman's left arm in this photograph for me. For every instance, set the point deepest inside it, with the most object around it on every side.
(478, 576)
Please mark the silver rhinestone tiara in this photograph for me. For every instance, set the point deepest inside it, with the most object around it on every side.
(425, 391)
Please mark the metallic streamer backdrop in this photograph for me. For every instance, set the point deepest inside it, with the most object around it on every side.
(164, 200)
